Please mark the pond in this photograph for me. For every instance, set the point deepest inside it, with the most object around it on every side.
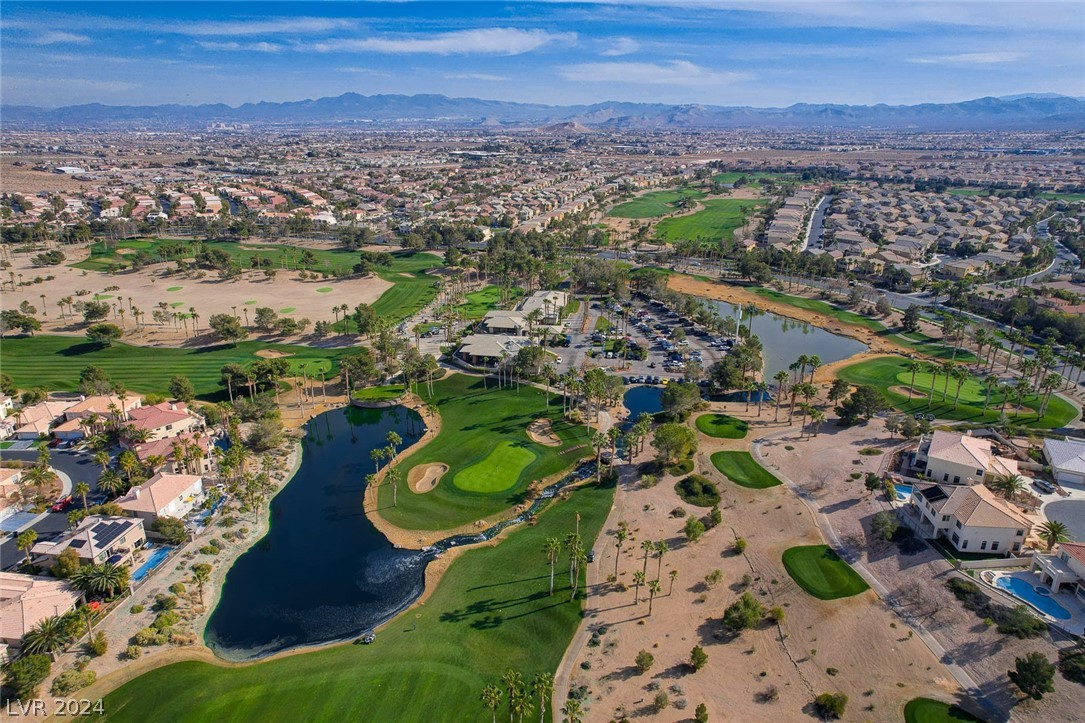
(642, 399)
(784, 339)
(322, 573)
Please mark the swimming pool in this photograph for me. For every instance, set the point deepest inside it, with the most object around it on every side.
(154, 560)
(903, 492)
(1027, 592)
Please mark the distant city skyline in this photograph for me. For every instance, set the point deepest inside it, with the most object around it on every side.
(769, 53)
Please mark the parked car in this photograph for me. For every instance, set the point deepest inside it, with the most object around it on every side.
(62, 504)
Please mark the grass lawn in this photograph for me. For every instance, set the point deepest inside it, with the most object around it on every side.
(378, 394)
(821, 307)
(718, 220)
(740, 468)
(54, 362)
(820, 571)
(475, 422)
(887, 372)
(490, 612)
(411, 291)
(498, 471)
(753, 178)
(602, 323)
(722, 426)
(484, 300)
(654, 204)
(925, 710)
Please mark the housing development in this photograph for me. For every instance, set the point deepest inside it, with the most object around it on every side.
(412, 407)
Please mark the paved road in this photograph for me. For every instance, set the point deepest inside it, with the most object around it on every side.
(816, 227)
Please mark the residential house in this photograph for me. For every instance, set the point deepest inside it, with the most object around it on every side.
(102, 406)
(10, 491)
(1064, 570)
(195, 447)
(26, 600)
(38, 419)
(960, 458)
(167, 419)
(97, 539)
(1067, 460)
(969, 518)
(164, 495)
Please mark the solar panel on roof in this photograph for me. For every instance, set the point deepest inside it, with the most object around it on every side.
(933, 494)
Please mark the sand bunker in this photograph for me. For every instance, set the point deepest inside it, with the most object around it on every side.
(271, 353)
(542, 433)
(425, 477)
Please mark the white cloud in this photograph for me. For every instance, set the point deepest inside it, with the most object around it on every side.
(987, 58)
(475, 76)
(676, 72)
(481, 41)
(58, 37)
(261, 47)
(621, 46)
(364, 71)
(263, 26)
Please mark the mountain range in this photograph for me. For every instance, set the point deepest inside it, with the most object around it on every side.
(1026, 111)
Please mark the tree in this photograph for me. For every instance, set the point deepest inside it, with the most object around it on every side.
(227, 328)
(171, 528)
(885, 524)
(700, 715)
(552, 549)
(830, 706)
(94, 380)
(82, 488)
(46, 637)
(698, 658)
(743, 614)
(644, 661)
(266, 319)
(201, 573)
(572, 711)
(679, 399)
(67, 564)
(182, 389)
(25, 541)
(24, 674)
(694, 528)
(103, 334)
(1007, 485)
(864, 403)
(872, 483)
(838, 390)
(95, 311)
(543, 687)
(12, 319)
(491, 698)
(620, 536)
(654, 588)
(910, 321)
(638, 580)
(673, 442)
(1034, 675)
(1052, 532)
(104, 579)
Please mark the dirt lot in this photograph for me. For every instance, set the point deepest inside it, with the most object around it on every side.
(773, 673)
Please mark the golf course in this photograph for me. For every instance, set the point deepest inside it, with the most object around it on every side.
(654, 204)
(491, 460)
(926, 710)
(743, 470)
(490, 612)
(820, 571)
(717, 221)
(722, 426)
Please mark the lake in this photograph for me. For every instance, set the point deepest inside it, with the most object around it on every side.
(322, 573)
(784, 339)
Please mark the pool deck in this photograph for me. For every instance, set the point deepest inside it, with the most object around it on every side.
(1076, 623)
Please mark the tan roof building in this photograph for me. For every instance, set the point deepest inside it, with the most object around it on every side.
(164, 495)
(27, 599)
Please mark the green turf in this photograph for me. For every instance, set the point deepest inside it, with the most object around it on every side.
(753, 179)
(175, 304)
(6, 444)
(967, 191)
(488, 298)
(717, 221)
(722, 426)
(288, 310)
(743, 470)
(885, 373)
(54, 362)
(823, 308)
(250, 302)
(925, 710)
(490, 612)
(411, 292)
(102, 297)
(1050, 195)
(498, 471)
(324, 290)
(174, 288)
(602, 323)
(654, 204)
(378, 394)
(474, 421)
(820, 571)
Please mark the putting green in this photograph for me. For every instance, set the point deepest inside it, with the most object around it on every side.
(722, 426)
(499, 471)
(822, 573)
(742, 469)
(324, 290)
(926, 710)
(102, 297)
(287, 310)
(250, 302)
(175, 304)
(174, 288)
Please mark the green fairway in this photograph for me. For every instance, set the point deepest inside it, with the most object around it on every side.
(498, 471)
(891, 376)
(717, 221)
(489, 613)
(486, 299)
(722, 426)
(821, 307)
(820, 571)
(413, 289)
(378, 394)
(753, 179)
(54, 362)
(483, 434)
(743, 470)
(925, 710)
(654, 204)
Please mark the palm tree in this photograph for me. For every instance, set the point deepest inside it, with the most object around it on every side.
(932, 368)
(81, 489)
(552, 548)
(111, 482)
(106, 579)
(661, 549)
(1007, 485)
(947, 368)
(599, 441)
(649, 547)
(814, 361)
(780, 378)
(620, 536)
(990, 383)
(816, 418)
(572, 711)
(673, 575)
(101, 458)
(514, 686)
(201, 573)
(1053, 532)
(491, 694)
(913, 367)
(960, 375)
(653, 589)
(25, 541)
(543, 686)
(47, 637)
(638, 580)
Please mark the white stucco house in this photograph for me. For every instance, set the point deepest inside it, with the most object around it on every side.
(969, 518)
(164, 495)
(955, 458)
(1063, 570)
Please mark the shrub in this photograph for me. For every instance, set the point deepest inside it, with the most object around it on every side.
(830, 706)
(23, 675)
(661, 701)
(715, 517)
(136, 609)
(713, 578)
(172, 529)
(744, 613)
(1017, 621)
(685, 466)
(701, 714)
(777, 614)
(145, 637)
(885, 524)
(209, 550)
(1072, 664)
(132, 652)
(740, 546)
(162, 603)
(698, 658)
(694, 528)
(72, 680)
(177, 588)
(166, 620)
(644, 661)
(649, 481)
(98, 645)
(698, 490)
(678, 512)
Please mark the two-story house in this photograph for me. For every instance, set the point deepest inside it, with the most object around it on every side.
(957, 458)
(96, 539)
(969, 518)
(164, 495)
(1064, 570)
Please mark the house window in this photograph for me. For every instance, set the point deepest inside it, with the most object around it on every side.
(959, 526)
(994, 545)
(945, 477)
(956, 538)
(964, 545)
(983, 545)
(979, 473)
(1020, 533)
(956, 479)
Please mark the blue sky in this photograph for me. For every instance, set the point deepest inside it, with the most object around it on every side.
(762, 53)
